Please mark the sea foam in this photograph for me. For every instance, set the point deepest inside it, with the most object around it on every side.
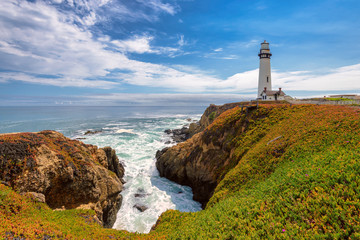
(144, 188)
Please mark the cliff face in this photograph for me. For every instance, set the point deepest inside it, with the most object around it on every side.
(202, 161)
(65, 173)
(229, 131)
(288, 170)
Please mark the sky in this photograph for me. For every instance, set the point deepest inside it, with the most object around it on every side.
(173, 52)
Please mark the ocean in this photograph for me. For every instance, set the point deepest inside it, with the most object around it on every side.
(136, 133)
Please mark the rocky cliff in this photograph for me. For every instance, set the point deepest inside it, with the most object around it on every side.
(202, 161)
(64, 173)
(288, 170)
(210, 114)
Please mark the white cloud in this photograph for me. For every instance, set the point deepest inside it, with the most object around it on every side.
(157, 5)
(230, 57)
(218, 54)
(57, 1)
(248, 44)
(339, 79)
(58, 81)
(36, 39)
(181, 41)
(141, 44)
(138, 44)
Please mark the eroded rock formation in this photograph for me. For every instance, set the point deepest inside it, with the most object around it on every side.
(201, 161)
(69, 173)
(213, 111)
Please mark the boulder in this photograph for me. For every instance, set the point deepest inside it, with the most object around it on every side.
(69, 173)
(89, 132)
(141, 208)
(179, 135)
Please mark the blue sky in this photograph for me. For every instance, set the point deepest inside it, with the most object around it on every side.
(173, 52)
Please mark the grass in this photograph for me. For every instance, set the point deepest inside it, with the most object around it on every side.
(212, 116)
(23, 218)
(295, 175)
(339, 99)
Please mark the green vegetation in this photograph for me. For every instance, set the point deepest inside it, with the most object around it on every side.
(23, 218)
(335, 99)
(296, 175)
(212, 116)
(339, 99)
(304, 184)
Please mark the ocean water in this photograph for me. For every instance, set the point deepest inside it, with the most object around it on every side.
(136, 133)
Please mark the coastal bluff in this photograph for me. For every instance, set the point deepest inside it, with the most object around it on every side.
(63, 173)
(275, 170)
(237, 136)
(202, 161)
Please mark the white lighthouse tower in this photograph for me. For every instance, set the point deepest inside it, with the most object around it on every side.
(265, 70)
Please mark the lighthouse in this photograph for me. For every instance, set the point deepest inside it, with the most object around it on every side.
(265, 69)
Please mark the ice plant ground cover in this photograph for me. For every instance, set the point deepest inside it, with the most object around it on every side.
(294, 173)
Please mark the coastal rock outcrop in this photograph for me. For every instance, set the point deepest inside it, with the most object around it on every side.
(68, 173)
(212, 112)
(186, 164)
(179, 135)
(201, 161)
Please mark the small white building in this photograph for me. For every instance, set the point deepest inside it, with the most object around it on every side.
(265, 91)
(270, 95)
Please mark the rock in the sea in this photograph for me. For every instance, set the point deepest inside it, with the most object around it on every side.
(179, 135)
(67, 172)
(89, 132)
(141, 193)
(141, 208)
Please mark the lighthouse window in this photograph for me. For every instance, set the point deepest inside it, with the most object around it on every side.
(267, 79)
